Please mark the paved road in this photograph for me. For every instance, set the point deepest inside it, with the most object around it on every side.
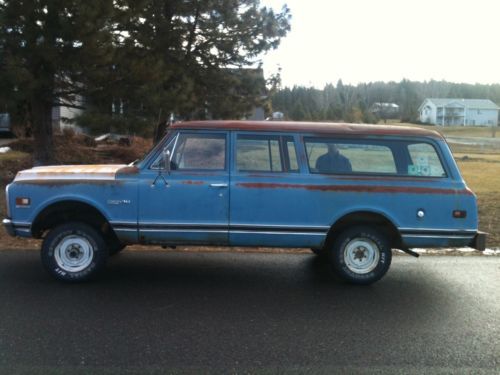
(153, 312)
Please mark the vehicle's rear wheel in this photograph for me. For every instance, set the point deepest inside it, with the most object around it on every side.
(361, 255)
(74, 252)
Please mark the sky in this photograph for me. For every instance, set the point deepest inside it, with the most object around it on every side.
(388, 40)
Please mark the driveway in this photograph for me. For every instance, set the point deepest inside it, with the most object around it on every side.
(157, 312)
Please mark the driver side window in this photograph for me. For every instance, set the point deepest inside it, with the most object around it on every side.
(195, 151)
(199, 152)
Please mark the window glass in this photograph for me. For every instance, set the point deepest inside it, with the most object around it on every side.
(424, 161)
(159, 162)
(292, 155)
(258, 153)
(200, 151)
(329, 156)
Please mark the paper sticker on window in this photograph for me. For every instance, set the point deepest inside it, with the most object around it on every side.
(412, 170)
(425, 170)
(419, 170)
(422, 160)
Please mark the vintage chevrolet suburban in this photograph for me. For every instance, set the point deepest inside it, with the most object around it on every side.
(351, 193)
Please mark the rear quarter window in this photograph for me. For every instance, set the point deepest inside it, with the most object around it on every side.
(424, 161)
(334, 157)
(386, 157)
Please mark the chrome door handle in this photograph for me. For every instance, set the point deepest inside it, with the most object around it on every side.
(218, 185)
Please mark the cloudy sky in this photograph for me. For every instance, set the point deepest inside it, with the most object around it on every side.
(384, 40)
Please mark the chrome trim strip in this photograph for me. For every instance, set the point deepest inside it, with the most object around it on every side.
(279, 233)
(183, 230)
(312, 227)
(21, 224)
(177, 224)
(24, 230)
(437, 230)
(437, 236)
(123, 223)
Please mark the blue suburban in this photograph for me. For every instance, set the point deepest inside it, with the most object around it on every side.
(351, 193)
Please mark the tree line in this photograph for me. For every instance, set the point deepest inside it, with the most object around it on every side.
(353, 103)
(131, 63)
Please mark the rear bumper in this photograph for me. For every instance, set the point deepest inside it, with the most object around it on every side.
(415, 238)
(479, 241)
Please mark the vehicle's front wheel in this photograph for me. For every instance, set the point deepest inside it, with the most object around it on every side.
(74, 252)
(361, 255)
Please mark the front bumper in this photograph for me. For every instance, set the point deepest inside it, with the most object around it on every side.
(9, 227)
(479, 241)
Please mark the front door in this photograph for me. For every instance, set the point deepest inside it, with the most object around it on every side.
(190, 204)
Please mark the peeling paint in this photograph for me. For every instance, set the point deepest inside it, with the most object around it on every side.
(128, 170)
(362, 130)
(356, 188)
(71, 172)
(189, 182)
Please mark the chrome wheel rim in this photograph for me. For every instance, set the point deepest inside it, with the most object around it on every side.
(361, 255)
(74, 253)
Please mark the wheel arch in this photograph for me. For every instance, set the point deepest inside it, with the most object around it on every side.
(365, 217)
(67, 210)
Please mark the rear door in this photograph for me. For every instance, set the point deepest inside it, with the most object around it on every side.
(266, 206)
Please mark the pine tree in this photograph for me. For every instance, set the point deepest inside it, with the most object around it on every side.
(53, 51)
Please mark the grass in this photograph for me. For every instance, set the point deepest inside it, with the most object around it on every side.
(12, 155)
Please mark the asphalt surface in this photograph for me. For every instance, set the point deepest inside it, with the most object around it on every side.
(160, 312)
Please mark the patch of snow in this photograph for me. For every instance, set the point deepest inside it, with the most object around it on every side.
(4, 150)
(493, 251)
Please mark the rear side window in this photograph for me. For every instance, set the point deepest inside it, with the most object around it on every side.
(293, 164)
(424, 161)
(258, 153)
(334, 157)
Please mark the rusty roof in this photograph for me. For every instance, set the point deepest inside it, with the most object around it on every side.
(309, 127)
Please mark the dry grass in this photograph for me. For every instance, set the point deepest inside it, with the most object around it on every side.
(482, 174)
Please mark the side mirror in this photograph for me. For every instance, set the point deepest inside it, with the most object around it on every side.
(166, 160)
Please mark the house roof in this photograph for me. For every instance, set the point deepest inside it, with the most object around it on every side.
(309, 127)
(469, 103)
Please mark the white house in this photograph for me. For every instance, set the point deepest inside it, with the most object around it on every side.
(459, 112)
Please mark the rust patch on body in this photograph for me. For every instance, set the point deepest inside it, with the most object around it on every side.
(128, 170)
(310, 128)
(355, 188)
(385, 178)
(67, 182)
(70, 172)
(190, 182)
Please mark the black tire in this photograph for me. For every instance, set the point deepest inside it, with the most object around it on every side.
(74, 252)
(361, 255)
